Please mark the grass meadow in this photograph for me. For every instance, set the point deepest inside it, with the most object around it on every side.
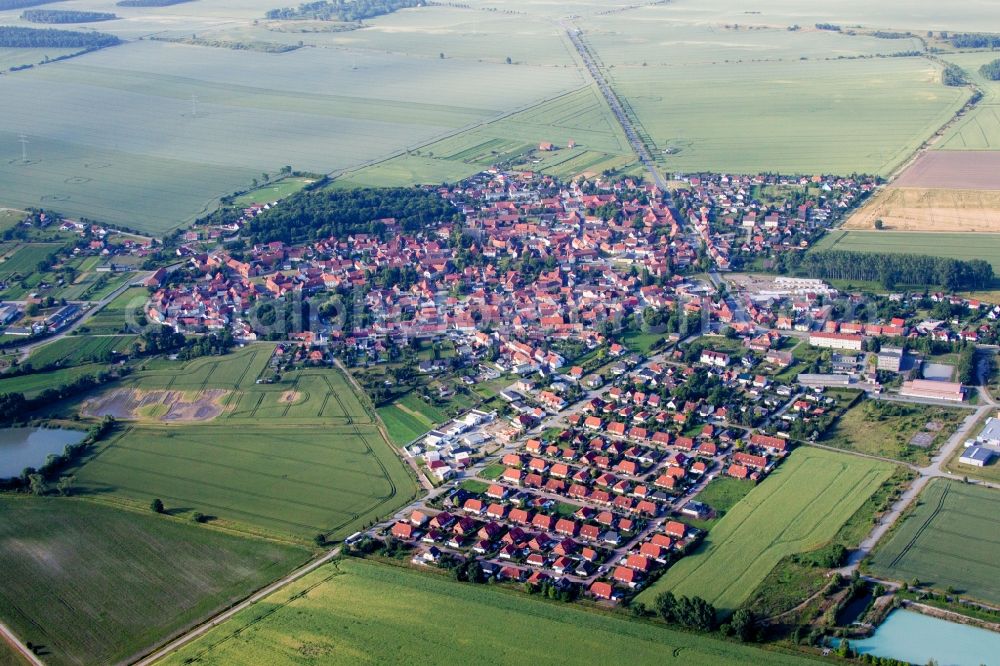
(290, 459)
(272, 191)
(790, 116)
(798, 508)
(355, 611)
(948, 540)
(866, 429)
(33, 384)
(968, 245)
(96, 584)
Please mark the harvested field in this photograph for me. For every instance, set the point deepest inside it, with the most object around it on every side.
(166, 406)
(930, 209)
(956, 170)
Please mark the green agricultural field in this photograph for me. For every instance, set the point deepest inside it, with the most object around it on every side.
(979, 129)
(963, 245)
(882, 428)
(796, 509)
(32, 385)
(652, 34)
(356, 611)
(126, 308)
(24, 259)
(8, 657)
(222, 117)
(18, 57)
(76, 350)
(293, 458)
(790, 116)
(96, 584)
(410, 417)
(291, 481)
(9, 217)
(948, 540)
(403, 427)
(722, 494)
(581, 116)
(272, 192)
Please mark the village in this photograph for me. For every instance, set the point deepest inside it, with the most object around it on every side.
(632, 380)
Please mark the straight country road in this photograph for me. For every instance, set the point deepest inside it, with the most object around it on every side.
(638, 145)
(15, 643)
(214, 621)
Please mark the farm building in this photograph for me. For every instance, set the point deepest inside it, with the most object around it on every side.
(812, 379)
(990, 434)
(976, 455)
(933, 390)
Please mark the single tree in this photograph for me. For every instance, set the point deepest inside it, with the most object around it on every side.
(156, 506)
(65, 485)
(743, 624)
(36, 482)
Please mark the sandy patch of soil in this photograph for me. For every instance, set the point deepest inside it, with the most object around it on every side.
(289, 397)
(170, 406)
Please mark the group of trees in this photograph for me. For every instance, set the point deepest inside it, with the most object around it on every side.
(36, 38)
(895, 269)
(968, 372)
(991, 70)
(149, 3)
(21, 4)
(975, 41)
(65, 16)
(341, 10)
(953, 75)
(690, 612)
(311, 215)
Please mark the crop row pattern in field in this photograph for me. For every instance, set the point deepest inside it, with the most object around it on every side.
(949, 540)
(798, 508)
(355, 611)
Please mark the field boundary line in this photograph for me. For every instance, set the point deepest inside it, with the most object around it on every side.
(15, 643)
(156, 654)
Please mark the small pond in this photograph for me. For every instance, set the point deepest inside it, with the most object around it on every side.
(917, 638)
(29, 447)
